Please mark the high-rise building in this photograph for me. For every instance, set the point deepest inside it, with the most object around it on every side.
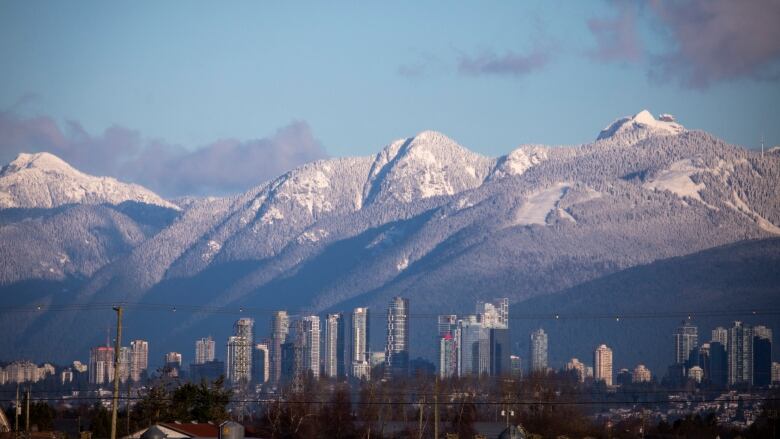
(66, 376)
(238, 367)
(740, 353)
(26, 371)
(448, 344)
(775, 372)
(448, 356)
(139, 358)
(700, 356)
(234, 368)
(359, 348)
(500, 351)
(447, 324)
(173, 358)
(763, 332)
(204, 350)
(717, 368)
(172, 364)
(762, 356)
(686, 338)
(309, 340)
(696, 373)
(125, 362)
(602, 364)
(517, 366)
(474, 349)
(494, 317)
(280, 328)
(288, 361)
(641, 374)
(335, 346)
(262, 362)
(721, 335)
(494, 314)
(538, 351)
(397, 346)
(578, 367)
(101, 365)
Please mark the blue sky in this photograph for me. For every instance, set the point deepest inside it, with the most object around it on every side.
(357, 75)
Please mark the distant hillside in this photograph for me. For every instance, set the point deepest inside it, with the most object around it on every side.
(740, 276)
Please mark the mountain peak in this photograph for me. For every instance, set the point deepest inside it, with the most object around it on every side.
(426, 165)
(43, 180)
(631, 129)
(433, 141)
(40, 160)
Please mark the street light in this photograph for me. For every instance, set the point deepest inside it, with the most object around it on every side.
(507, 414)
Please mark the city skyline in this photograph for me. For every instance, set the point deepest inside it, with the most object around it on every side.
(358, 220)
(746, 354)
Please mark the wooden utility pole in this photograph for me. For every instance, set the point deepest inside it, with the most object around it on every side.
(27, 415)
(117, 346)
(436, 407)
(420, 426)
(127, 406)
(17, 411)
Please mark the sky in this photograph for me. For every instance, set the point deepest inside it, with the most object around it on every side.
(213, 98)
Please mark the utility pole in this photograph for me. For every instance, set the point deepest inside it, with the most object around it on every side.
(27, 415)
(420, 424)
(117, 345)
(436, 407)
(17, 411)
(507, 413)
(127, 407)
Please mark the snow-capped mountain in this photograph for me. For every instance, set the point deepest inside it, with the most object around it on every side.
(426, 165)
(631, 129)
(44, 180)
(425, 218)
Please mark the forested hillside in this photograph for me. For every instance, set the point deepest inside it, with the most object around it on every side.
(425, 218)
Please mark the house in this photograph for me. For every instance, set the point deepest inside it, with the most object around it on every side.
(181, 430)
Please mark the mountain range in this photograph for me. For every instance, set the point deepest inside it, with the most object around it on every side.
(548, 227)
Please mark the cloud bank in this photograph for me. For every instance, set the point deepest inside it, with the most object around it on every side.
(720, 40)
(708, 41)
(221, 167)
(510, 63)
(617, 38)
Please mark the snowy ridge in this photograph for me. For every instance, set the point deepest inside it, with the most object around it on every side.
(44, 180)
(520, 160)
(631, 129)
(423, 217)
(427, 165)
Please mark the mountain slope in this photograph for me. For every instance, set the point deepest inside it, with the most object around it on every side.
(43, 180)
(428, 219)
(741, 276)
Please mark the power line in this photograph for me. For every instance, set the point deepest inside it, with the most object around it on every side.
(249, 311)
(415, 403)
(670, 392)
